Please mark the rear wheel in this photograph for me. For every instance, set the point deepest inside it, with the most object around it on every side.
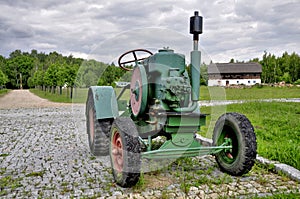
(97, 130)
(125, 152)
(236, 129)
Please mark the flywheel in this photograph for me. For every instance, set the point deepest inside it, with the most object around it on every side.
(138, 90)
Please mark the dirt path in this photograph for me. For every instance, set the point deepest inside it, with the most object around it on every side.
(25, 99)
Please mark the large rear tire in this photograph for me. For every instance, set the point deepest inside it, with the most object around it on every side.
(97, 130)
(238, 129)
(125, 152)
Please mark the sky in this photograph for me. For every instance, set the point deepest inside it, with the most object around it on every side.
(103, 30)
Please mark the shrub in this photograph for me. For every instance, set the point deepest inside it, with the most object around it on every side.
(297, 82)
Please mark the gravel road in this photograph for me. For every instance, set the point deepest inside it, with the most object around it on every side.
(44, 154)
(25, 99)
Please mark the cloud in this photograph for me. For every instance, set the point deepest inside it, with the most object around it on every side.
(43, 46)
(239, 29)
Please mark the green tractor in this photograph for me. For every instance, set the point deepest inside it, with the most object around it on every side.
(163, 102)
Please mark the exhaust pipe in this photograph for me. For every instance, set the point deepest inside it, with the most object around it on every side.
(195, 29)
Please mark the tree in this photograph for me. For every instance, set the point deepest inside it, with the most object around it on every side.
(110, 76)
(204, 74)
(2, 63)
(38, 78)
(51, 78)
(3, 78)
(90, 79)
(269, 68)
(126, 77)
(294, 67)
(286, 77)
(71, 72)
(84, 76)
(18, 69)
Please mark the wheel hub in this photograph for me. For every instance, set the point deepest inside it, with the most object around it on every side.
(228, 142)
(229, 154)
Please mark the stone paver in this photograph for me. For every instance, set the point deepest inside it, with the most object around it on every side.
(44, 153)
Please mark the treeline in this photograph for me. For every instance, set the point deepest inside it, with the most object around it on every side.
(277, 69)
(52, 72)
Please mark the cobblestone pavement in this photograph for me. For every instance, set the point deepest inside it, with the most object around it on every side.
(44, 153)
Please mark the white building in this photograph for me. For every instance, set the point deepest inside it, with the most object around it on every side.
(122, 84)
(226, 74)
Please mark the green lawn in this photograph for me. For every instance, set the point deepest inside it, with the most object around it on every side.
(266, 92)
(206, 93)
(276, 125)
(79, 95)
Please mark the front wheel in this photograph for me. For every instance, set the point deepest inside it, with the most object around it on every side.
(125, 152)
(236, 129)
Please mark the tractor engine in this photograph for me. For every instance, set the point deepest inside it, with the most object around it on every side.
(160, 90)
(175, 90)
(169, 82)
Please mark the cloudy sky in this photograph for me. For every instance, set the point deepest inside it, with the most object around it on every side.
(239, 29)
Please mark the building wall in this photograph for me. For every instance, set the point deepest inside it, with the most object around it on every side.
(225, 82)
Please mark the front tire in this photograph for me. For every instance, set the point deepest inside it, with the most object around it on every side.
(97, 130)
(125, 152)
(238, 129)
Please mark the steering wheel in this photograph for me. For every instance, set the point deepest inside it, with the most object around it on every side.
(136, 59)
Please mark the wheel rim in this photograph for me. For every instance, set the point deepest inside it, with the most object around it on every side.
(91, 125)
(138, 91)
(117, 151)
(229, 155)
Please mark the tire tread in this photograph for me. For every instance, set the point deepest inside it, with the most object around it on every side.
(244, 164)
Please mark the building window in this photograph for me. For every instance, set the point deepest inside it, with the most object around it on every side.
(249, 82)
(254, 82)
(237, 82)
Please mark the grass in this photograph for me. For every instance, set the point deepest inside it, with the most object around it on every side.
(206, 93)
(3, 92)
(79, 95)
(276, 125)
(265, 92)
(9, 182)
(36, 174)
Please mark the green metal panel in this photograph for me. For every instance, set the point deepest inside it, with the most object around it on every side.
(167, 57)
(105, 102)
(184, 123)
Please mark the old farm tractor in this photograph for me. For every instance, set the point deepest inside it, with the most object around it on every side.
(163, 102)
